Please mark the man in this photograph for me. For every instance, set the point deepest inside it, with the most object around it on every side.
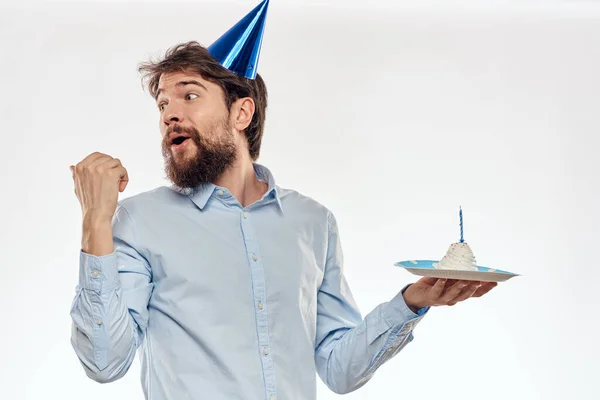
(230, 286)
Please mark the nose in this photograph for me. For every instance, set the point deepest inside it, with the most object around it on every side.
(172, 116)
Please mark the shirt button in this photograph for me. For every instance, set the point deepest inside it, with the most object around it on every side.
(220, 192)
(260, 306)
(95, 273)
(254, 257)
(265, 351)
(272, 397)
(245, 214)
(99, 322)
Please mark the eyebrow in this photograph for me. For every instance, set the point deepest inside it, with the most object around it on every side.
(183, 83)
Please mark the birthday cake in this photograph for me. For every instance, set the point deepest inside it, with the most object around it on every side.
(459, 257)
(458, 263)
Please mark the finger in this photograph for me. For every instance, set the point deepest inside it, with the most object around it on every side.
(485, 288)
(452, 292)
(453, 284)
(111, 163)
(437, 289)
(90, 162)
(123, 178)
(103, 161)
(107, 163)
(122, 185)
(467, 292)
(450, 282)
(429, 281)
(91, 158)
(123, 175)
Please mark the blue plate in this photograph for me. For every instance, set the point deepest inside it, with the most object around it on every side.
(428, 268)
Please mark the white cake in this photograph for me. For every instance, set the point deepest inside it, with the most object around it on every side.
(458, 257)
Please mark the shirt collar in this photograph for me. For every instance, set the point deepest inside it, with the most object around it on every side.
(203, 192)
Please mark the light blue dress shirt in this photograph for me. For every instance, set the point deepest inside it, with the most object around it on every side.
(229, 302)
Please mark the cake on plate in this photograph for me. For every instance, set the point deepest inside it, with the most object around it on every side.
(459, 257)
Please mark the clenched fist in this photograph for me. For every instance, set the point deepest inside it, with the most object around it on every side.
(98, 179)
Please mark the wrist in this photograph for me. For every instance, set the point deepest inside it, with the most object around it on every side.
(96, 238)
(94, 219)
(412, 301)
(412, 307)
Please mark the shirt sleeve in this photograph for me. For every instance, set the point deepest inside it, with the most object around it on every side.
(349, 349)
(110, 310)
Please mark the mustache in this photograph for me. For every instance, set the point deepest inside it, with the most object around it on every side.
(181, 129)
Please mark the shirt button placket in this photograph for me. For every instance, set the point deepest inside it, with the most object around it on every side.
(257, 275)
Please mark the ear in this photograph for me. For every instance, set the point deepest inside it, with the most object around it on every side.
(243, 111)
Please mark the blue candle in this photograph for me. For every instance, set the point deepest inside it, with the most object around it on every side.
(461, 226)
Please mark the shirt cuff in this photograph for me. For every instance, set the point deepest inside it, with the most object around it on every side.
(98, 273)
(398, 313)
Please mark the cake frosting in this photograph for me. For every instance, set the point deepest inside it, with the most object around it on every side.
(458, 257)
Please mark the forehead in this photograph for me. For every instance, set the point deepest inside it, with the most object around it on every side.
(169, 80)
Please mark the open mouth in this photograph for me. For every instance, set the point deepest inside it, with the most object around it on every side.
(179, 140)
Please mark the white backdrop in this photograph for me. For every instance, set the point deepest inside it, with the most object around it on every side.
(391, 115)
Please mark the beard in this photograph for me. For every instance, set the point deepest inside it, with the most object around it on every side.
(208, 160)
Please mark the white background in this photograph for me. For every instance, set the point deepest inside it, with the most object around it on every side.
(390, 114)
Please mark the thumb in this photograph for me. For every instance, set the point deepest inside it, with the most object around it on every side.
(122, 185)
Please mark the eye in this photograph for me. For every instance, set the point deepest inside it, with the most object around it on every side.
(191, 94)
(160, 105)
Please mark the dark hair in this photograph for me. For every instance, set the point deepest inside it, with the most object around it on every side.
(195, 58)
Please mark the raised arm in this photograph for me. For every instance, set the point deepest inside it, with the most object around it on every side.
(110, 309)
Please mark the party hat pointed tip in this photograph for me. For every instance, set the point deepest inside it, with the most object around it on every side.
(238, 49)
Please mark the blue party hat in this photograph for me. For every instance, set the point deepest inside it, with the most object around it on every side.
(238, 49)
